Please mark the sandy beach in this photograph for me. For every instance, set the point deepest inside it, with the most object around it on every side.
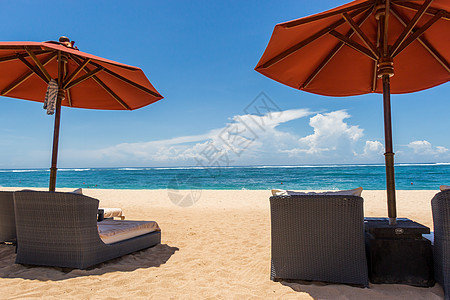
(215, 245)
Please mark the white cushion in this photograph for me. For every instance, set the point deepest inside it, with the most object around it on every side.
(112, 231)
(78, 191)
(354, 192)
(279, 192)
(444, 187)
(112, 212)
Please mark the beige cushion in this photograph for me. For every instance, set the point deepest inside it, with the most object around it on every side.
(78, 191)
(112, 231)
(112, 212)
(444, 187)
(353, 192)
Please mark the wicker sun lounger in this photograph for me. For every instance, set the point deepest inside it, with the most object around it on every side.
(60, 229)
(441, 250)
(318, 238)
(7, 218)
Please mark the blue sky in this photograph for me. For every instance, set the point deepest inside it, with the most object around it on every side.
(200, 56)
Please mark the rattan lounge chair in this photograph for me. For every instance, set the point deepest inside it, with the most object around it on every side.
(318, 238)
(60, 229)
(441, 250)
(7, 218)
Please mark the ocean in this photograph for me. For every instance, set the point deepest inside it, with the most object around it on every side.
(315, 177)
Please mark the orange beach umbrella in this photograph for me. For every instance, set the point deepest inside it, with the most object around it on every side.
(365, 46)
(82, 80)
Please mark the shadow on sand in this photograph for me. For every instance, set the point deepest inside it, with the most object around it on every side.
(318, 290)
(147, 258)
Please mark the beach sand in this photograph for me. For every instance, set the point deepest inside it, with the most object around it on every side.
(216, 248)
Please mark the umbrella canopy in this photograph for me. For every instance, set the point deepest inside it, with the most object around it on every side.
(365, 46)
(83, 80)
(89, 81)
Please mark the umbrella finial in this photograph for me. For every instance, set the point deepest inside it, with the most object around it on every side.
(63, 39)
(66, 42)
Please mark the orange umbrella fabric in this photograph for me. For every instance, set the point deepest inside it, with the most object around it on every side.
(365, 46)
(99, 84)
(298, 48)
(81, 80)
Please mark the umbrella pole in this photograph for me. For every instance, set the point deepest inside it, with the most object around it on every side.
(62, 61)
(53, 168)
(389, 155)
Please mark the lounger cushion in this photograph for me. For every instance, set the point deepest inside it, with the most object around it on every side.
(112, 212)
(112, 231)
(77, 191)
(444, 188)
(353, 192)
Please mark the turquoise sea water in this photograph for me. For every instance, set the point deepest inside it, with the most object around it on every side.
(323, 177)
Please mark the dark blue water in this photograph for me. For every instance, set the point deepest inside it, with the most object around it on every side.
(325, 177)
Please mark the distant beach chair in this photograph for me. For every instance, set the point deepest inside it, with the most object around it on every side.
(318, 238)
(441, 249)
(60, 229)
(7, 218)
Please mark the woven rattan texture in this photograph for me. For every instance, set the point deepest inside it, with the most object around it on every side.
(7, 217)
(318, 237)
(440, 205)
(60, 229)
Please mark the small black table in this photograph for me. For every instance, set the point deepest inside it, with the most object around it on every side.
(398, 254)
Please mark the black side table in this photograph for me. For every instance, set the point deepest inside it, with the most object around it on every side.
(398, 254)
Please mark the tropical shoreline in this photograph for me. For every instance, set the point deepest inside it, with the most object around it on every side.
(218, 247)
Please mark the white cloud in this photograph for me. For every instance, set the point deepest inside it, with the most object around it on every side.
(425, 148)
(259, 139)
(331, 133)
(373, 148)
(244, 137)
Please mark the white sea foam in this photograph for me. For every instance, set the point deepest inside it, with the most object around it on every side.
(420, 165)
(318, 166)
(23, 171)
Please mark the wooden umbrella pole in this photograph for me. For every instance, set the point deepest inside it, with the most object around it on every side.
(53, 168)
(385, 70)
(389, 155)
(62, 60)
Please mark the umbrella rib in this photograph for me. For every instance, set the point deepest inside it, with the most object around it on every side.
(306, 41)
(418, 33)
(440, 59)
(301, 21)
(386, 28)
(374, 76)
(38, 64)
(32, 68)
(410, 26)
(82, 78)
(103, 85)
(361, 34)
(69, 97)
(134, 84)
(333, 52)
(76, 72)
(14, 57)
(430, 11)
(24, 77)
(322, 65)
(352, 44)
(18, 47)
(107, 89)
